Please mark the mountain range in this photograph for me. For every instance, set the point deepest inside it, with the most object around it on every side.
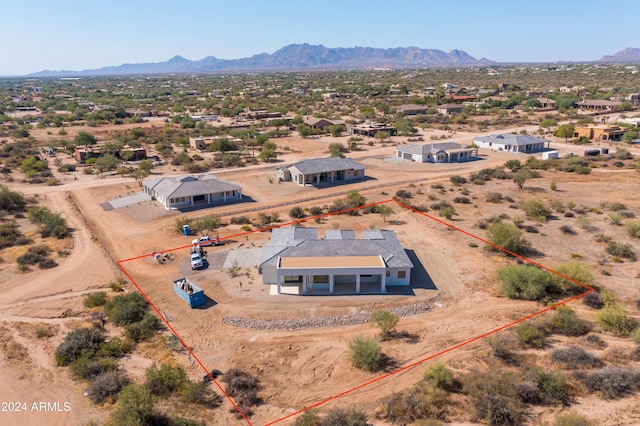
(313, 57)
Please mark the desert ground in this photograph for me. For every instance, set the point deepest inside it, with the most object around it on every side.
(300, 368)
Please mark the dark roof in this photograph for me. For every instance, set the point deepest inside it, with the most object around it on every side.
(327, 164)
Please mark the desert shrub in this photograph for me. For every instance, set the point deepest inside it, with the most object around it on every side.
(567, 230)
(403, 193)
(462, 200)
(240, 220)
(523, 282)
(576, 357)
(106, 386)
(503, 348)
(11, 200)
(296, 213)
(345, 417)
(447, 212)
(79, 342)
(47, 263)
(508, 237)
(95, 299)
(126, 309)
(387, 321)
(613, 318)
(552, 386)
(633, 229)
(458, 180)
(440, 205)
(612, 382)
(535, 209)
(576, 271)
(243, 387)
(494, 197)
(635, 335)
(115, 347)
(418, 402)
(530, 335)
(439, 376)
(143, 329)
(88, 367)
(316, 211)
(595, 341)
(593, 300)
(621, 250)
(365, 353)
(165, 379)
(572, 419)
(199, 393)
(565, 321)
(136, 407)
(308, 418)
(495, 397)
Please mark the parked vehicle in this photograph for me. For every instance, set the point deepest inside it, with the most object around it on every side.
(206, 240)
(189, 292)
(197, 261)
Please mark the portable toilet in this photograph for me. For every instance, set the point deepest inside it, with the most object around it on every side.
(186, 229)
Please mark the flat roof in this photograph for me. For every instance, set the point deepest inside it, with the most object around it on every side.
(331, 262)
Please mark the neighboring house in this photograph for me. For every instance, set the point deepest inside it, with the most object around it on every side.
(635, 122)
(83, 152)
(370, 129)
(137, 153)
(445, 152)
(321, 123)
(296, 261)
(546, 103)
(602, 132)
(412, 109)
(511, 142)
(191, 191)
(450, 108)
(201, 144)
(602, 105)
(318, 171)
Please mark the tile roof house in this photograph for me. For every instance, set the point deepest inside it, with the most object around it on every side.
(449, 108)
(599, 132)
(511, 142)
(318, 171)
(296, 261)
(413, 109)
(445, 152)
(598, 104)
(191, 191)
(321, 123)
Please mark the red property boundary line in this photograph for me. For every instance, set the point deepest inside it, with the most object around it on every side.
(380, 378)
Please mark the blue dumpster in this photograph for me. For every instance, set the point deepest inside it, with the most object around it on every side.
(186, 229)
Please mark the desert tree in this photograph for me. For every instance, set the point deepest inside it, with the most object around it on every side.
(387, 321)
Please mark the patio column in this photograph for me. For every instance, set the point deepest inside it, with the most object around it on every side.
(331, 284)
(358, 283)
(304, 284)
(383, 282)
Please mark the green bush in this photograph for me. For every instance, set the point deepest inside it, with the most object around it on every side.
(635, 335)
(576, 271)
(506, 236)
(79, 342)
(535, 209)
(633, 229)
(624, 251)
(135, 407)
(552, 386)
(308, 418)
(95, 299)
(296, 213)
(387, 321)
(165, 379)
(345, 417)
(458, 180)
(418, 402)
(613, 318)
(440, 377)
(495, 397)
(572, 419)
(89, 367)
(530, 335)
(143, 329)
(523, 282)
(126, 309)
(565, 321)
(199, 393)
(365, 353)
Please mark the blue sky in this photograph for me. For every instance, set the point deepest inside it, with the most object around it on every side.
(84, 34)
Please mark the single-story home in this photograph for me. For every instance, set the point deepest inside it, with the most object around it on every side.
(296, 261)
(512, 142)
(445, 152)
(370, 129)
(413, 109)
(601, 132)
(318, 171)
(598, 104)
(450, 108)
(321, 123)
(191, 191)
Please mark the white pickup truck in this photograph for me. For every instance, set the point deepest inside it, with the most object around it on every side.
(206, 241)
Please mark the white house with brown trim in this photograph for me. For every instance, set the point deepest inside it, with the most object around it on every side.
(192, 191)
(512, 142)
(444, 152)
(318, 171)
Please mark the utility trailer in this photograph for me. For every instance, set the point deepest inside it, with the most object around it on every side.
(189, 292)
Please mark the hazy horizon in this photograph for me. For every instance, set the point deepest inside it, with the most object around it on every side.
(76, 35)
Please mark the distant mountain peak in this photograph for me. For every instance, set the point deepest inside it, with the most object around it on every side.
(630, 54)
(295, 57)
